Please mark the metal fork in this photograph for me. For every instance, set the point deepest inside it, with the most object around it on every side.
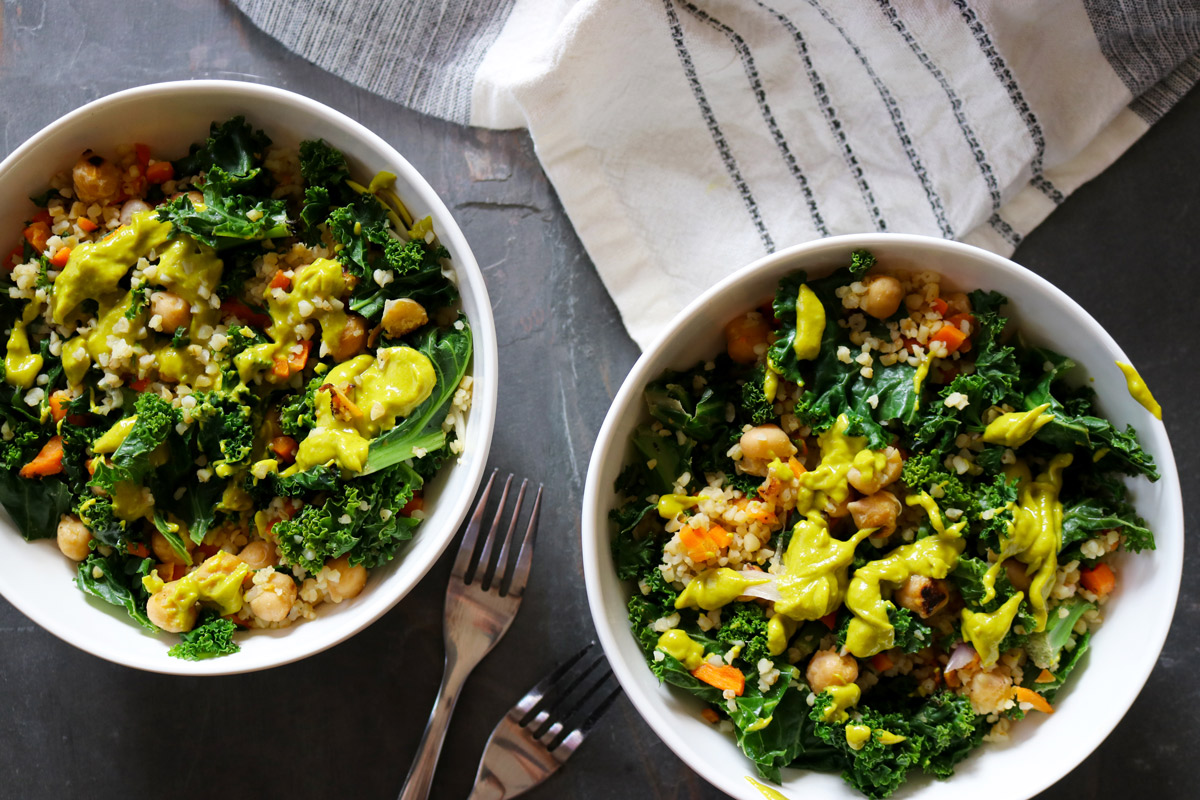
(545, 727)
(480, 607)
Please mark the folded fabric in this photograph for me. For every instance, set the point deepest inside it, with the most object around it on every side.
(687, 138)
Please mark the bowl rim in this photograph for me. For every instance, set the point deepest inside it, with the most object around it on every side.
(595, 537)
(484, 360)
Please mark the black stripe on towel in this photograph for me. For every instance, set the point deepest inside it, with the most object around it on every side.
(714, 129)
(964, 125)
(1005, 76)
(760, 96)
(830, 113)
(893, 108)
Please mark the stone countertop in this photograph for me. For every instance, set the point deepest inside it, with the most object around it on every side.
(347, 721)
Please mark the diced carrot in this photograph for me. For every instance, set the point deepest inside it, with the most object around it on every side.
(1099, 579)
(42, 215)
(298, 358)
(49, 461)
(160, 172)
(950, 336)
(417, 503)
(829, 620)
(958, 319)
(718, 536)
(724, 678)
(91, 465)
(1045, 676)
(940, 306)
(86, 225)
(285, 448)
(37, 235)
(15, 257)
(233, 307)
(58, 404)
(710, 716)
(143, 155)
(699, 547)
(60, 257)
(882, 662)
(1023, 695)
(138, 549)
(280, 281)
(952, 679)
(795, 466)
(280, 368)
(140, 384)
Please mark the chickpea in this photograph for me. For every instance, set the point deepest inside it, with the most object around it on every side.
(403, 316)
(74, 538)
(132, 207)
(352, 340)
(259, 555)
(837, 510)
(272, 601)
(1017, 574)
(922, 595)
(830, 668)
(767, 442)
(883, 297)
(347, 582)
(879, 478)
(165, 612)
(957, 303)
(163, 550)
(96, 179)
(878, 510)
(172, 309)
(746, 337)
(988, 691)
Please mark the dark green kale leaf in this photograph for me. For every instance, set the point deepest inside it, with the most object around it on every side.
(911, 634)
(223, 222)
(634, 551)
(673, 405)
(226, 432)
(755, 404)
(211, 638)
(861, 262)
(356, 226)
(156, 420)
(1091, 515)
(117, 579)
(1049, 690)
(416, 273)
(745, 623)
(1045, 648)
(233, 147)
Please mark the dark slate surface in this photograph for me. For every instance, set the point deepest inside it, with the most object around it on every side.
(346, 722)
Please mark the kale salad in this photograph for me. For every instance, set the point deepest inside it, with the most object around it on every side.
(878, 530)
(227, 379)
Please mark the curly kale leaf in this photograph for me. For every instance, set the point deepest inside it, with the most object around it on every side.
(672, 404)
(634, 551)
(298, 414)
(861, 262)
(355, 226)
(1093, 514)
(213, 637)
(117, 579)
(754, 399)
(322, 164)
(416, 273)
(226, 432)
(228, 218)
(234, 147)
(745, 623)
(156, 420)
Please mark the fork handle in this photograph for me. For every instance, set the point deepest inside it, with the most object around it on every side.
(420, 775)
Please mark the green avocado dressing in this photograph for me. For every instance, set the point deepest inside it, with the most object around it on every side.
(21, 367)
(672, 505)
(810, 324)
(1018, 427)
(815, 571)
(217, 583)
(1138, 389)
(871, 631)
(386, 386)
(714, 588)
(683, 648)
(1034, 536)
(985, 631)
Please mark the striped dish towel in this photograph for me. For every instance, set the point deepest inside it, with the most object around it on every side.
(689, 137)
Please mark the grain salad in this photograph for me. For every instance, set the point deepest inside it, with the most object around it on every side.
(878, 529)
(227, 379)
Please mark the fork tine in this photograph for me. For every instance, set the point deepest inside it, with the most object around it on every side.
(497, 580)
(580, 732)
(527, 703)
(557, 697)
(567, 713)
(525, 557)
(466, 549)
(485, 555)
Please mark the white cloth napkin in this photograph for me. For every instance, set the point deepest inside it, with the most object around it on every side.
(687, 138)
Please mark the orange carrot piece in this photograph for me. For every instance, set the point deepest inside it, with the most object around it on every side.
(58, 404)
(710, 716)
(296, 361)
(49, 461)
(718, 536)
(1099, 579)
(140, 384)
(60, 257)
(950, 336)
(143, 155)
(37, 234)
(280, 281)
(285, 448)
(1023, 695)
(86, 225)
(232, 307)
(699, 547)
(417, 503)
(724, 678)
(1045, 676)
(940, 306)
(160, 172)
(280, 368)
(882, 662)
(138, 549)
(795, 466)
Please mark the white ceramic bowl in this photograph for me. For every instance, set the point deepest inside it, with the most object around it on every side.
(1123, 652)
(36, 578)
